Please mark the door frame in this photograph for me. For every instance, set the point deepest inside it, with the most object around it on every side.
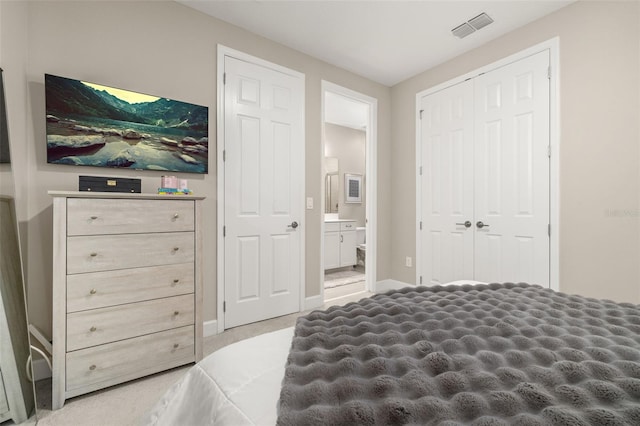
(224, 51)
(371, 187)
(553, 45)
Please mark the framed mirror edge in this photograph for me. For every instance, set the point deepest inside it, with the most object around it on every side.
(16, 366)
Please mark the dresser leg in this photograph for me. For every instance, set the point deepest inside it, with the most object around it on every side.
(57, 401)
(57, 394)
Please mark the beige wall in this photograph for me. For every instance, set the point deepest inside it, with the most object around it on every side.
(165, 49)
(599, 146)
(348, 146)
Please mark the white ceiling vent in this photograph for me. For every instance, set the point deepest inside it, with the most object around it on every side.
(472, 25)
(463, 30)
(480, 21)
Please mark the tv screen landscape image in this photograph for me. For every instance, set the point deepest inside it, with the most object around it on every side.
(94, 125)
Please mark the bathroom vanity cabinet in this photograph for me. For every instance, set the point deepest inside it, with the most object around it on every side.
(339, 244)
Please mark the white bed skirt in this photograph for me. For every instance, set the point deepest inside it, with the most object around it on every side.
(236, 385)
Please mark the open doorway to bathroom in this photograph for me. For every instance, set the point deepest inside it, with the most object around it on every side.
(348, 167)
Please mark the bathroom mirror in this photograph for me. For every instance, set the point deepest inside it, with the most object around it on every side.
(17, 393)
(331, 196)
(331, 185)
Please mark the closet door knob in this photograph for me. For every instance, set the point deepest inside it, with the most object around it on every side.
(93, 367)
(92, 329)
(93, 291)
(176, 313)
(176, 215)
(481, 225)
(467, 224)
(175, 345)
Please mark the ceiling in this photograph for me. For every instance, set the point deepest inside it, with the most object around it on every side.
(386, 41)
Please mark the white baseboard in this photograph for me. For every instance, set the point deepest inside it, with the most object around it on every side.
(40, 369)
(386, 285)
(313, 302)
(210, 328)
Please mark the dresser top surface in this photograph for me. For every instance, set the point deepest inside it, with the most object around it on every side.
(116, 195)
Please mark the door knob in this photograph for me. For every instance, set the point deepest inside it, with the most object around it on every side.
(467, 224)
(293, 225)
(481, 225)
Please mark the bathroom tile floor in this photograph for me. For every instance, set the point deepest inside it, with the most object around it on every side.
(343, 276)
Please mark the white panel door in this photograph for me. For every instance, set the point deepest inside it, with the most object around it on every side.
(447, 185)
(484, 153)
(512, 172)
(263, 181)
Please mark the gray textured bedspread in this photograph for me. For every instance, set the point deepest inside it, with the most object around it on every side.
(493, 354)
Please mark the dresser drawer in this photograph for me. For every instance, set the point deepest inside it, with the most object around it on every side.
(104, 216)
(106, 365)
(109, 252)
(104, 325)
(101, 289)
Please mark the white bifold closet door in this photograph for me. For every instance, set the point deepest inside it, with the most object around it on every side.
(484, 189)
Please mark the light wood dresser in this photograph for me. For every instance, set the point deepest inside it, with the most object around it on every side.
(126, 288)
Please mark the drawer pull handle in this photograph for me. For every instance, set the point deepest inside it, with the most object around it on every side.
(94, 217)
(93, 291)
(176, 281)
(176, 215)
(92, 329)
(175, 345)
(93, 367)
(93, 254)
(176, 248)
(176, 313)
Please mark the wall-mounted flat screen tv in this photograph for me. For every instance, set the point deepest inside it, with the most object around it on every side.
(94, 125)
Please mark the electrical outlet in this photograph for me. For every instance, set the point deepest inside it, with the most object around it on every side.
(408, 262)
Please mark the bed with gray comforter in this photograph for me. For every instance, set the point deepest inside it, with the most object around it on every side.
(494, 354)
